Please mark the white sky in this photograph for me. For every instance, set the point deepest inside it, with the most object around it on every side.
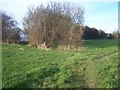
(101, 14)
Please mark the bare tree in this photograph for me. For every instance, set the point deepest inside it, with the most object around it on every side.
(54, 24)
(10, 31)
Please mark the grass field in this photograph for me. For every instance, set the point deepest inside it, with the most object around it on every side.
(95, 66)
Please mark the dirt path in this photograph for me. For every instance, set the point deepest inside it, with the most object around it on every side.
(91, 75)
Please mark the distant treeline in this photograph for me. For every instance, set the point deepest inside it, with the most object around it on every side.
(93, 33)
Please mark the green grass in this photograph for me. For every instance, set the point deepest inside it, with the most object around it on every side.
(94, 66)
(101, 43)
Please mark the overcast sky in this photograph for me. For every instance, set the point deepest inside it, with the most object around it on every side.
(98, 14)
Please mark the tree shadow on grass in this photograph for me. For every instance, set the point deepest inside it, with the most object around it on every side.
(37, 82)
(32, 81)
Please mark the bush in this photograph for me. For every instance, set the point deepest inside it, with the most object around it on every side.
(54, 25)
